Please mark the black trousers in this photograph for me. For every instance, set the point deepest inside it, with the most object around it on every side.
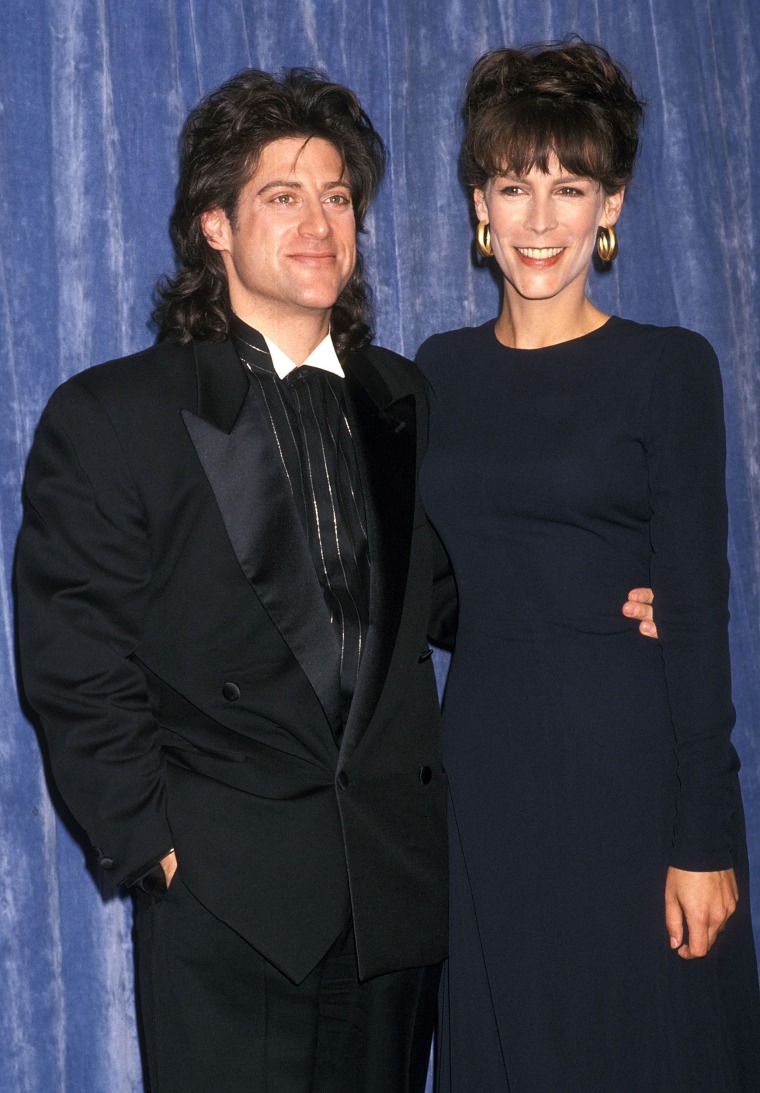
(218, 1018)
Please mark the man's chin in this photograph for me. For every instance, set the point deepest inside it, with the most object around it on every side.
(323, 299)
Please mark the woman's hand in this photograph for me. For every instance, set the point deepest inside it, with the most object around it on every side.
(704, 902)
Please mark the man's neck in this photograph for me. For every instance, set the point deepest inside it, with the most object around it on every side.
(296, 335)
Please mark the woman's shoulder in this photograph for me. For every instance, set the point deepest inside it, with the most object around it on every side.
(447, 346)
(669, 351)
(671, 342)
(678, 367)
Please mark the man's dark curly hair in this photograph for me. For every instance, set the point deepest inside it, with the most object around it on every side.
(568, 98)
(222, 141)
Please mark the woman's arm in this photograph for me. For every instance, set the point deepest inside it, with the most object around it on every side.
(685, 449)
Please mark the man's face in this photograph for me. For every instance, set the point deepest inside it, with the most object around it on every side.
(293, 247)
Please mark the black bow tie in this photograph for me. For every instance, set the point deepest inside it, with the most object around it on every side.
(304, 372)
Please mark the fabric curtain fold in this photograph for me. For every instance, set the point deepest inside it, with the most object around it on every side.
(92, 97)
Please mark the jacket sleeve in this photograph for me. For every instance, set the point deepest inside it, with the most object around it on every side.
(444, 612)
(685, 452)
(444, 608)
(83, 579)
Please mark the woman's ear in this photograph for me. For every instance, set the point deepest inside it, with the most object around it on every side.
(613, 204)
(481, 208)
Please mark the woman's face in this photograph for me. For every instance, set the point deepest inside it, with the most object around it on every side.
(543, 228)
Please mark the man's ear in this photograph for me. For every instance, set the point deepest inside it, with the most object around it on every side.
(216, 228)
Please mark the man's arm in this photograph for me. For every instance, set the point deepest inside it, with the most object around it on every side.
(83, 580)
(443, 619)
(442, 626)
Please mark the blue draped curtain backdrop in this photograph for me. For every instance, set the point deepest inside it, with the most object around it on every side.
(92, 96)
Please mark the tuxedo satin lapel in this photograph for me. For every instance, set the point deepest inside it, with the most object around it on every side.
(238, 454)
(222, 383)
(384, 432)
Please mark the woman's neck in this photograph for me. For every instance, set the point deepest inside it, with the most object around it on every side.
(534, 324)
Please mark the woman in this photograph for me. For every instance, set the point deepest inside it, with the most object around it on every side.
(597, 847)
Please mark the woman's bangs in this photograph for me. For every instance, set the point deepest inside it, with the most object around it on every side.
(533, 133)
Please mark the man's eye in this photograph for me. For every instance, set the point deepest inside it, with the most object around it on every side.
(339, 199)
(283, 199)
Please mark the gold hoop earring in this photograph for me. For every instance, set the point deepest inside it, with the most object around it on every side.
(484, 239)
(607, 244)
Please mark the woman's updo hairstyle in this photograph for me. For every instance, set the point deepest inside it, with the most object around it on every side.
(569, 99)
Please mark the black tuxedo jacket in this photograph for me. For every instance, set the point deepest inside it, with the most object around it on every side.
(174, 642)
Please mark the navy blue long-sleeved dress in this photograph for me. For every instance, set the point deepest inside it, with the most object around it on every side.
(583, 758)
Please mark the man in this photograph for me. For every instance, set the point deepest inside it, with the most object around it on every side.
(224, 583)
(224, 586)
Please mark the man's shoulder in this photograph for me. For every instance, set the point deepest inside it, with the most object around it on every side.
(400, 374)
(141, 372)
(136, 386)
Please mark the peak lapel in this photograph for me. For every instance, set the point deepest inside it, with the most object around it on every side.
(384, 431)
(236, 448)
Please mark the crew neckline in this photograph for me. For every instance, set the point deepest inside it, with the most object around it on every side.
(596, 332)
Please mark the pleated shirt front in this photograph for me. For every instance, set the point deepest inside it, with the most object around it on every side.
(312, 432)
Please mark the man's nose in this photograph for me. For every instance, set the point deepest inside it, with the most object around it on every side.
(315, 221)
